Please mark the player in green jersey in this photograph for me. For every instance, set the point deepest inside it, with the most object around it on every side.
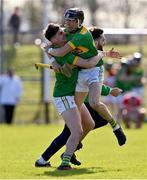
(80, 42)
(65, 87)
(78, 124)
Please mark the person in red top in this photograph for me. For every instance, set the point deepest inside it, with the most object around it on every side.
(133, 110)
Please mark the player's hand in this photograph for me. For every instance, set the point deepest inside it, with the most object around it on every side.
(114, 54)
(46, 46)
(66, 70)
(56, 67)
(115, 91)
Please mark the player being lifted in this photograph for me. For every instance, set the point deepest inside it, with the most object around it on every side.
(64, 100)
(81, 43)
(64, 96)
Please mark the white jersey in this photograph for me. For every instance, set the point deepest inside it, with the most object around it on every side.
(10, 89)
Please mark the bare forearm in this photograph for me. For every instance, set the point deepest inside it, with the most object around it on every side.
(60, 52)
(88, 63)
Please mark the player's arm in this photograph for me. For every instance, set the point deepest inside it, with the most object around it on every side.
(52, 61)
(68, 47)
(107, 90)
(60, 52)
(87, 63)
(92, 62)
(111, 53)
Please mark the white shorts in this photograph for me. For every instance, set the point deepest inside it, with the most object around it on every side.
(88, 76)
(64, 103)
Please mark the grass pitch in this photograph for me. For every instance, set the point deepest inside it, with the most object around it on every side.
(101, 157)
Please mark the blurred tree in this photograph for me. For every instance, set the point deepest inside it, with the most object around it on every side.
(61, 6)
(33, 12)
(141, 12)
(126, 10)
(93, 7)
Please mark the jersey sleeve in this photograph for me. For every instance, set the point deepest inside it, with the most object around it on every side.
(76, 41)
(105, 90)
(72, 59)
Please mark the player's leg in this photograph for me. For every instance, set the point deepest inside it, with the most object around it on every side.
(87, 124)
(79, 98)
(81, 89)
(72, 119)
(97, 105)
(101, 108)
(98, 119)
(70, 113)
(99, 122)
(87, 121)
(67, 108)
(55, 146)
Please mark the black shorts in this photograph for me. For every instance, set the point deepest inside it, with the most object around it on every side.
(99, 120)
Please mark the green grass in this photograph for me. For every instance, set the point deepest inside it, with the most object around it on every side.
(101, 156)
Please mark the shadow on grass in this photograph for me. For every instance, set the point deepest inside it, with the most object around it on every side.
(73, 172)
(53, 172)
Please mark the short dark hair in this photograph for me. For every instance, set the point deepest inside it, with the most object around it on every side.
(51, 30)
(96, 32)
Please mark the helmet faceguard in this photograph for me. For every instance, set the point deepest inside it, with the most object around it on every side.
(74, 14)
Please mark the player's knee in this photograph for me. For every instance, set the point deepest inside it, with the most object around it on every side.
(95, 104)
(77, 134)
(92, 125)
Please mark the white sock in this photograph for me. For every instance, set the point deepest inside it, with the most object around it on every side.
(41, 160)
(116, 127)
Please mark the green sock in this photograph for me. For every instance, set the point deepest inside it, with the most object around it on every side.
(66, 160)
(113, 123)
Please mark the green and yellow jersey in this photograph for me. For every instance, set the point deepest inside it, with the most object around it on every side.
(82, 44)
(65, 86)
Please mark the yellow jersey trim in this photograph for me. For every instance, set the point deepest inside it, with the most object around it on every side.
(83, 49)
(83, 30)
(75, 60)
(71, 45)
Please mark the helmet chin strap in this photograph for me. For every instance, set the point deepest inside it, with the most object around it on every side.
(79, 25)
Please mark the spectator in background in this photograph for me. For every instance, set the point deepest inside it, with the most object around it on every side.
(130, 79)
(10, 93)
(133, 110)
(14, 23)
(109, 80)
(125, 81)
(138, 85)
